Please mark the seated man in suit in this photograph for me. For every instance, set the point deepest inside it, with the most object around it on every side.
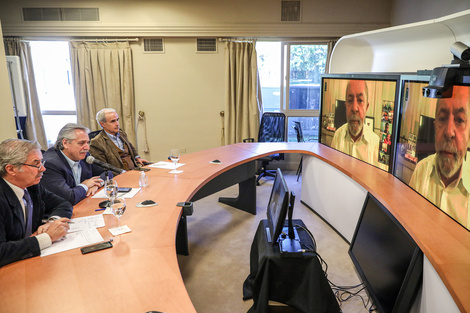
(111, 145)
(31, 217)
(67, 174)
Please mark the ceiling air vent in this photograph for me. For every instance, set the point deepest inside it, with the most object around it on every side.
(154, 45)
(206, 45)
(290, 11)
(61, 14)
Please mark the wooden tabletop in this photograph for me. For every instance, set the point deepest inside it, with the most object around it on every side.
(140, 273)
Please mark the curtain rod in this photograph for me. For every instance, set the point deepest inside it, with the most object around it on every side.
(106, 39)
(237, 39)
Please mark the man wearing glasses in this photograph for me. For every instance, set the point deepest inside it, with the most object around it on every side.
(31, 218)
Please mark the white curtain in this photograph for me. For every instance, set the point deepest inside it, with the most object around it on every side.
(34, 123)
(103, 78)
(243, 92)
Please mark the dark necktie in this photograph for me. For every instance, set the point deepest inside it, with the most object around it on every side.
(29, 213)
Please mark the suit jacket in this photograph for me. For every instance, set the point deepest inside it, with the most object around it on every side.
(13, 245)
(103, 149)
(58, 177)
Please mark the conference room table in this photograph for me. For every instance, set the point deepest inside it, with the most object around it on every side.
(140, 273)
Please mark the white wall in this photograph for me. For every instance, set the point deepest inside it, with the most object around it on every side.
(411, 11)
(182, 94)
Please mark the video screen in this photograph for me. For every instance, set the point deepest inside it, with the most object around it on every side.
(358, 116)
(386, 258)
(432, 148)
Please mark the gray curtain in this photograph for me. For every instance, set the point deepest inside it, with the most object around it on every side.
(34, 123)
(243, 105)
(103, 78)
(331, 45)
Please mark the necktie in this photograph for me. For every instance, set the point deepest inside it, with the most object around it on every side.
(29, 213)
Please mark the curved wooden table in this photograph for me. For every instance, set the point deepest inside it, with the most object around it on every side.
(140, 273)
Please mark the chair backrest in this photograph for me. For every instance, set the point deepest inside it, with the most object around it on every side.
(298, 132)
(272, 127)
(93, 134)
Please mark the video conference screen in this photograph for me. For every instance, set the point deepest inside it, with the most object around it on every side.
(358, 116)
(432, 148)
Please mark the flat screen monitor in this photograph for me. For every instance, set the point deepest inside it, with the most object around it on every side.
(433, 138)
(358, 116)
(277, 207)
(386, 258)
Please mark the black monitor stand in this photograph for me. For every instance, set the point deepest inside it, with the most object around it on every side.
(290, 245)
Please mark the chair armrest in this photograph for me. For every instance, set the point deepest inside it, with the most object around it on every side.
(249, 140)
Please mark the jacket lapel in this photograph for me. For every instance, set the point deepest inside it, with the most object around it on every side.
(112, 147)
(13, 202)
(68, 169)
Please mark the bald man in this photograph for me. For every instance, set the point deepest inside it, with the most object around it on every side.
(444, 177)
(355, 137)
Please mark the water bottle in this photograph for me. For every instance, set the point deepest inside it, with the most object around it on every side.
(143, 180)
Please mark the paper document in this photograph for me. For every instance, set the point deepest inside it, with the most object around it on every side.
(119, 230)
(130, 194)
(83, 223)
(166, 165)
(74, 240)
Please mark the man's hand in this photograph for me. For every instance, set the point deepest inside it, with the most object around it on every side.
(141, 161)
(91, 191)
(56, 229)
(94, 181)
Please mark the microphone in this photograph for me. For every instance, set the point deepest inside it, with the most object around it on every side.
(91, 160)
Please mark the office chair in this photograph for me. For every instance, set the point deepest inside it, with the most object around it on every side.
(93, 134)
(271, 129)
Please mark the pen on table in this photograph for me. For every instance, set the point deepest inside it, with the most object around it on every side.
(100, 209)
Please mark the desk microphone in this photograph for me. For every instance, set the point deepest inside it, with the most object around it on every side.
(91, 160)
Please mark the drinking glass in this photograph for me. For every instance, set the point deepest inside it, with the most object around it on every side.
(111, 190)
(174, 157)
(118, 207)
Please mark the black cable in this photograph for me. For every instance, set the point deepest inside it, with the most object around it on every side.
(342, 293)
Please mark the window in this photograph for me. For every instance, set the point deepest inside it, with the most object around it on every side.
(52, 72)
(305, 63)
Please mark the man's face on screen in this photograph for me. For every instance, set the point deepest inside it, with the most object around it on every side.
(452, 128)
(356, 107)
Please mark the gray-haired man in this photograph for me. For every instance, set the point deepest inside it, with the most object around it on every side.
(24, 203)
(67, 174)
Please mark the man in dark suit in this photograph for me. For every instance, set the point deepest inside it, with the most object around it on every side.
(31, 217)
(111, 144)
(67, 174)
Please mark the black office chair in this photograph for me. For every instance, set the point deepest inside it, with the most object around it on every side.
(271, 129)
(93, 134)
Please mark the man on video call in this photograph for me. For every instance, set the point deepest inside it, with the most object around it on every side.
(444, 177)
(355, 137)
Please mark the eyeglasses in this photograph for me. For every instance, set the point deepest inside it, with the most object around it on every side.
(36, 166)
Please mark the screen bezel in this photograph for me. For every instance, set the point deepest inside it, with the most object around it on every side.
(276, 221)
(387, 77)
(413, 278)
